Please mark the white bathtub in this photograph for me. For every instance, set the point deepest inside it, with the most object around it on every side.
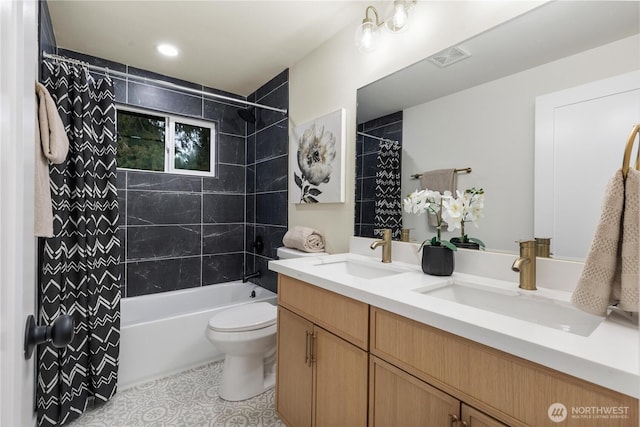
(164, 333)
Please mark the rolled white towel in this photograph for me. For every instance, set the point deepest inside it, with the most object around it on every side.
(304, 239)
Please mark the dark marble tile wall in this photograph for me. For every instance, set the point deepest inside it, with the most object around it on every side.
(180, 231)
(46, 36)
(267, 174)
(390, 127)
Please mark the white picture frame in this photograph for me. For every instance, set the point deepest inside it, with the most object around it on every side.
(317, 160)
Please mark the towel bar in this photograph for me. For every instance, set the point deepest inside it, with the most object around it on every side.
(628, 149)
(463, 170)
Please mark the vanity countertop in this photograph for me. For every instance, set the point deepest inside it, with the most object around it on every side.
(607, 357)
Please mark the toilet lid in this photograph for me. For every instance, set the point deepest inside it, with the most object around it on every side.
(245, 317)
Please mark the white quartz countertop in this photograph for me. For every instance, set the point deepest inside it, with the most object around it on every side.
(607, 357)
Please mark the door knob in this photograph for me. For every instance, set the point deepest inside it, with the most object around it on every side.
(60, 333)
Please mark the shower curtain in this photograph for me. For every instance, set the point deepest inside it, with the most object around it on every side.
(388, 207)
(79, 272)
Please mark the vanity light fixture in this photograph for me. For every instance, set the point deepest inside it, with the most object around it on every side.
(167, 49)
(368, 33)
(398, 21)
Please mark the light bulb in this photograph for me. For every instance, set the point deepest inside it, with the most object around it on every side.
(398, 21)
(400, 17)
(367, 36)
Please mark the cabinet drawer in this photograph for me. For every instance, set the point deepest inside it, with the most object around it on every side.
(345, 317)
(514, 390)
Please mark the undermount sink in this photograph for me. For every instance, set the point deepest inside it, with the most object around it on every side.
(362, 270)
(526, 306)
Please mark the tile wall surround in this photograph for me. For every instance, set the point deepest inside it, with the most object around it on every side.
(389, 126)
(267, 177)
(179, 231)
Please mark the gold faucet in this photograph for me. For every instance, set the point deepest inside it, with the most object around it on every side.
(526, 265)
(543, 246)
(386, 245)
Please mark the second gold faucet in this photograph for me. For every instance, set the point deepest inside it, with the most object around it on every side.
(386, 245)
(526, 265)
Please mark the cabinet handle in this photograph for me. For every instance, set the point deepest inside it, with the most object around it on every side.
(306, 347)
(464, 424)
(312, 360)
(453, 420)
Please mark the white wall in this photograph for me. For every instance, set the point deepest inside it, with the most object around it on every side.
(18, 65)
(328, 79)
(490, 128)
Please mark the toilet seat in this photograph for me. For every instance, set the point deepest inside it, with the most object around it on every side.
(245, 317)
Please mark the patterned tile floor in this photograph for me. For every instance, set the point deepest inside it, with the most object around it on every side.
(187, 399)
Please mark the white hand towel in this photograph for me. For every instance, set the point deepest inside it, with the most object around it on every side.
(304, 239)
(610, 273)
(52, 145)
(440, 180)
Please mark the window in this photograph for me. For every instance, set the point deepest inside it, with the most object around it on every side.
(165, 143)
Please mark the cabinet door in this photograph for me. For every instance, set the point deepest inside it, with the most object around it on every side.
(399, 399)
(294, 372)
(340, 382)
(474, 418)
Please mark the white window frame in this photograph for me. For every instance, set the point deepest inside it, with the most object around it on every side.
(169, 141)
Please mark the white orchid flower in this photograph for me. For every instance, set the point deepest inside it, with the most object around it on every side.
(416, 202)
(453, 213)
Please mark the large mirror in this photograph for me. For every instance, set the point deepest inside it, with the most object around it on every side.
(479, 113)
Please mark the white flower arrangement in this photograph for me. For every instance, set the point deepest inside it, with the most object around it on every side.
(455, 212)
(467, 207)
(426, 200)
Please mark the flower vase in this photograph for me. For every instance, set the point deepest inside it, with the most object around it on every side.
(437, 260)
(464, 245)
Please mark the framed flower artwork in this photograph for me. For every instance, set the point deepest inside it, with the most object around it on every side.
(316, 160)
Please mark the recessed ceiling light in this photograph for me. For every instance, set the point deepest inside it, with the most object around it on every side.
(167, 49)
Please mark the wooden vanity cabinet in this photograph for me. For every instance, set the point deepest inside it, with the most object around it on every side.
(342, 362)
(515, 391)
(399, 399)
(322, 355)
(474, 418)
(294, 372)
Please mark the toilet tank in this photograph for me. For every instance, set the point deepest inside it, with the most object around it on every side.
(287, 253)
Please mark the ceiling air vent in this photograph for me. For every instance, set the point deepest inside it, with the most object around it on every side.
(449, 56)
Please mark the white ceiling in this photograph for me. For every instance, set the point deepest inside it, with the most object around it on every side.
(235, 45)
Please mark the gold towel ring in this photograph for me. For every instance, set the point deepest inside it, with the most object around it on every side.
(628, 149)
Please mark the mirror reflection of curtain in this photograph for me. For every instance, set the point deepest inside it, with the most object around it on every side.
(79, 272)
(388, 208)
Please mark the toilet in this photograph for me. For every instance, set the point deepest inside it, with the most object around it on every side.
(246, 334)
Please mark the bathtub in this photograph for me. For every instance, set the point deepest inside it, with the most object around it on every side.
(162, 334)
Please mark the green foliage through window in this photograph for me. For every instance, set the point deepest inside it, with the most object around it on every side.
(192, 147)
(143, 139)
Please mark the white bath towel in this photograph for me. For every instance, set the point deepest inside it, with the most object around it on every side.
(52, 145)
(440, 180)
(610, 274)
(304, 239)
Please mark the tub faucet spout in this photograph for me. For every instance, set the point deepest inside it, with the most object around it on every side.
(246, 277)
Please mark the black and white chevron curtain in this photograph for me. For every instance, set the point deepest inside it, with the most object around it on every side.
(79, 265)
(388, 208)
